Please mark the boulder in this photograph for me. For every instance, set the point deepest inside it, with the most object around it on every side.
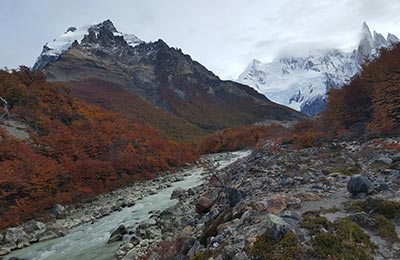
(118, 234)
(47, 235)
(278, 203)
(358, 184)
(135, 240)
(59, 211)
(204, 205)
(384, 160)
(177, 193)
(234, 196)
(276, 227)
(4, 251)
(15, 236)
(33, 226)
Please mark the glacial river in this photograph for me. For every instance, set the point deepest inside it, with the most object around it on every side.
(89, 241)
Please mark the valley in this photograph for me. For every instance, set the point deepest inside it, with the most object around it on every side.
(139, 146)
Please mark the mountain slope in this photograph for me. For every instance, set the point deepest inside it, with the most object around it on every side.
(302, 82)
(163, 76)
(113, 97)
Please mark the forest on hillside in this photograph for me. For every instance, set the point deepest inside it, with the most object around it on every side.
(74, 151)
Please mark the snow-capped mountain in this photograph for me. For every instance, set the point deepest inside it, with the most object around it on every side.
(302, 82)
(110, 69)
(52, 50)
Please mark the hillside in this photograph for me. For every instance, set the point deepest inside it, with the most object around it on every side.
(69, 150)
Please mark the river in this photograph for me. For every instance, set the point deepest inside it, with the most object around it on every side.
(89, 241)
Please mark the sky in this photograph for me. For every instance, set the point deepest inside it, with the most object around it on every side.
(223, 35)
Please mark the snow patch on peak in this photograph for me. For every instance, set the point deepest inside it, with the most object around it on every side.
(130, 39)
(64, 41)
(52, 50)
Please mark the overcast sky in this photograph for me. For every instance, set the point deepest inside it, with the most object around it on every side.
(224, 35)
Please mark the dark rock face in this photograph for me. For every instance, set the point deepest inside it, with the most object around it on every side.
(358, 184)
(118, 234)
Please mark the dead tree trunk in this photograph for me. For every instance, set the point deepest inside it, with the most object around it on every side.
(5, 111)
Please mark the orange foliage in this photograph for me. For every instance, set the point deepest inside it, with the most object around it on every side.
(75, 150)
(233, 139)
(370, 104)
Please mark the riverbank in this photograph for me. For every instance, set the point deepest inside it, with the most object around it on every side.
(126, 202)
(282, 203)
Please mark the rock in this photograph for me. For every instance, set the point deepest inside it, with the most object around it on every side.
(150, 233)
(196, 248)
(177, 193)
(363, 220)
(308, 196)
(291, 215)
(4, 251)
(59, 211)
(384, 160)
(229, 252)
(358, 184)
(135, 240)
(278, 203)
(34, 226)
(126, 247)
(204, 205)
(118, 234)
(47, 235)
(234, 196)
(147, 223)
(187, 231)
(277, 227)
(15, 236)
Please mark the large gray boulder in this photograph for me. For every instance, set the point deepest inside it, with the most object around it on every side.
(359, 184)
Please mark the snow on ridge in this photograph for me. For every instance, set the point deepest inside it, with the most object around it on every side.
(64, 41)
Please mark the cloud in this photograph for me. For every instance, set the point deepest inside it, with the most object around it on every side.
(224, 35)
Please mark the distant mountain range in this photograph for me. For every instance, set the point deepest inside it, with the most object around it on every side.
(302, 82)
(152, 82)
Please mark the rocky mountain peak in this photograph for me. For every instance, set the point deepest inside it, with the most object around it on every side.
(367, 43)
(379, 40)
(103, 34)
(392, 39)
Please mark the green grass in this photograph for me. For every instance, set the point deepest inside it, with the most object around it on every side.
(287, 248)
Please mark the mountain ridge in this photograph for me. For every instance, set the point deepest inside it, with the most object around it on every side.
(302, 82)
(163, 76)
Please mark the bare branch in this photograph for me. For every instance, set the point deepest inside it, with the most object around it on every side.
(5, 108)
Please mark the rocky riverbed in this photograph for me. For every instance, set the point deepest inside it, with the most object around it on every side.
(129, 203)
(339, 201)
